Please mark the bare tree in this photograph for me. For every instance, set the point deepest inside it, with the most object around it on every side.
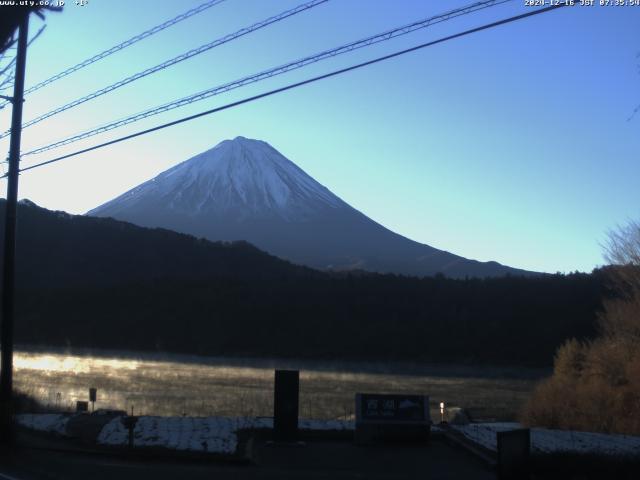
(622, 251)
(620, 318)
(623, 247)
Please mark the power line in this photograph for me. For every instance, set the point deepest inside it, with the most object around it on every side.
(168, 63)
(120, 46)
(13, 59)
(299, 84)
(8, 66)
(365, 42)
(7, 82)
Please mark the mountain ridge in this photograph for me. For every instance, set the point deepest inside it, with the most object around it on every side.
(244, 189)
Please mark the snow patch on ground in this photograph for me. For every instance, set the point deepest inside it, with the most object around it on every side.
(199, 434)
(326, 425)
(44, 422)
(210, 434)
(553, 441)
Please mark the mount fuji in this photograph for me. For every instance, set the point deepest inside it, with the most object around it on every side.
(245, 189)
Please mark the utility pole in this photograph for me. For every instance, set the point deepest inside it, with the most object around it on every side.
(8, 273)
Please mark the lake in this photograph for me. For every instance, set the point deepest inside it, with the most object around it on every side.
(154, 384)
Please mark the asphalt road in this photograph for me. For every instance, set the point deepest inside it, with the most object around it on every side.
(315, 460)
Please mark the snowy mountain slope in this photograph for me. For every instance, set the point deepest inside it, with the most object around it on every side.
(247, 177)
(244, 189)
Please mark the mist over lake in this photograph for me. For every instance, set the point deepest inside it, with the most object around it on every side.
(204, 386)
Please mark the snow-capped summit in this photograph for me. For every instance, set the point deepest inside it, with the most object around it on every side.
(244, 189)
(243, 176)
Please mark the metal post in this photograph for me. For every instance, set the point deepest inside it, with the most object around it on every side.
(8, 274)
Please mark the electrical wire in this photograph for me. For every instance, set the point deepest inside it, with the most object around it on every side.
(168, 63)
(7, 82)
(120, 46)
(365, 42)
(299, 84)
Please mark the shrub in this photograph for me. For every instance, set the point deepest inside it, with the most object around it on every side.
(595, 386)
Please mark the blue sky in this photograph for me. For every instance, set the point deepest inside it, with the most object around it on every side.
(511, 144)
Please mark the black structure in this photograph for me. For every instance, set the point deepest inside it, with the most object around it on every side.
(514, 447)
(285, 405)
(93, 393)
(8, 277)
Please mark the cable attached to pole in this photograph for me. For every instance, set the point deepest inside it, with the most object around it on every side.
(173, 61)
(272, 72)
(298, 84)
(122, 45)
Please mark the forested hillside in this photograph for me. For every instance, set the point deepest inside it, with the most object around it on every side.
(90, 282)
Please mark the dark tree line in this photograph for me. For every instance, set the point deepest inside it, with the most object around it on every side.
(89, 282)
